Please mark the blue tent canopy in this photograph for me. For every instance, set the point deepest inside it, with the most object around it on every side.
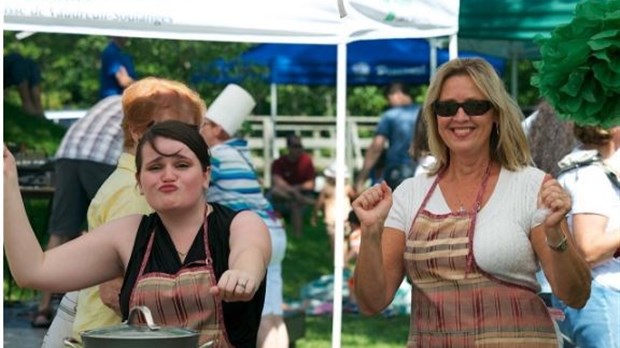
(373, 62)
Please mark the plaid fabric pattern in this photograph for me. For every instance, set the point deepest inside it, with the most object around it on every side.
(97, 136)
(454, 305)
(174, 301)
(183, 299)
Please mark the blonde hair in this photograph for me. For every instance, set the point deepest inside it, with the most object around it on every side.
(152, 96)
(508, 142)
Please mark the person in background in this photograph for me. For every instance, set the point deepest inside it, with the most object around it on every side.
(395, 129)
(375, 175)
(235, 184)
(192, 263)
(591, 175)
(470, 234)
(420, 151)
(147, 101)
(85, 158)
(25, 75)
(117, 68)
(325, 204)
(544, 127)
(292, 187)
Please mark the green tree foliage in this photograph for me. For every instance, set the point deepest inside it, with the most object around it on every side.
(70, 66)
(23, 132)
(70, 63)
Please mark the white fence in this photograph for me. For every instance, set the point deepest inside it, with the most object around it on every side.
(318, 134)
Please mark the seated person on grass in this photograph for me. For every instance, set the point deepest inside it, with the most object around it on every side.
(292, 187)
(325, 204)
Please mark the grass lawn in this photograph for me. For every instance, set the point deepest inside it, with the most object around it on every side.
(357, 331)
(307, 258)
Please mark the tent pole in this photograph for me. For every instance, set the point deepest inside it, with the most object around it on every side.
(432, 43)
(274, 139)
(453, 47)
(341, 110)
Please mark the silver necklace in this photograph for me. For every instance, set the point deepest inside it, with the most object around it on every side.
(462, 206)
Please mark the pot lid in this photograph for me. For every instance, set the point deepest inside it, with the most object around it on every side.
(138, 332)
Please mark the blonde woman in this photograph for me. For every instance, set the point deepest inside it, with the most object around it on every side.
(471, 232)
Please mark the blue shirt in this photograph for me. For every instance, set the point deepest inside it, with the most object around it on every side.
(234, 182)
(397, 125)
(112, 58)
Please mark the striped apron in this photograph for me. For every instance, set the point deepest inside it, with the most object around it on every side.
(454, 302)
(183, 299)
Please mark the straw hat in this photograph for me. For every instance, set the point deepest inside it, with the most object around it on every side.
(230, 108)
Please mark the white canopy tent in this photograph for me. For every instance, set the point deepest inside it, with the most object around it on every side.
(267, 21)
(299, 21)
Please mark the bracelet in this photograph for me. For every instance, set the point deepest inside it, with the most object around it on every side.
(561, 246)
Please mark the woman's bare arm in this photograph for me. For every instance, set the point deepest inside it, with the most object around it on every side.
(250, 252)
(379, 269)
(595, 243)
(82, 262)
(567, 271)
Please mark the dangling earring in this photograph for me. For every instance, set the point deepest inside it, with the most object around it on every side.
(497, 130)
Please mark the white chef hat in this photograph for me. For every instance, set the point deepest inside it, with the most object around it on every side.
(230, 108)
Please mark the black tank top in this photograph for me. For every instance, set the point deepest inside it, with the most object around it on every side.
(241, 318)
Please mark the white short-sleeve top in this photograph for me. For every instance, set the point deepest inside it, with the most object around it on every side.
(593, 193)
(501, 238)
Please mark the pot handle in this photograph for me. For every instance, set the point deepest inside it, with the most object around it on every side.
(146, 313)
(71, 342)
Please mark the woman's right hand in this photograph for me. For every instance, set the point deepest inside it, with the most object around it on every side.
(373, 206)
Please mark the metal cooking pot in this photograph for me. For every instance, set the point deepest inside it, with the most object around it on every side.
(127, 335)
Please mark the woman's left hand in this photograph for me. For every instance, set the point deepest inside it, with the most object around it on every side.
(235, 285)
(554, 198)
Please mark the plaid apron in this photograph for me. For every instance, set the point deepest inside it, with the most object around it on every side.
(454, 302)
(183, 299)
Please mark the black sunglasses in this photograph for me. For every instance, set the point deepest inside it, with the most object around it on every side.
(471, 107)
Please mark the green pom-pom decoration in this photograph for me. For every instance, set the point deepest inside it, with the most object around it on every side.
(579, 73)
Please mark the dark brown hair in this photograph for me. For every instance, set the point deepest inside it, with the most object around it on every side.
(179, 131)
